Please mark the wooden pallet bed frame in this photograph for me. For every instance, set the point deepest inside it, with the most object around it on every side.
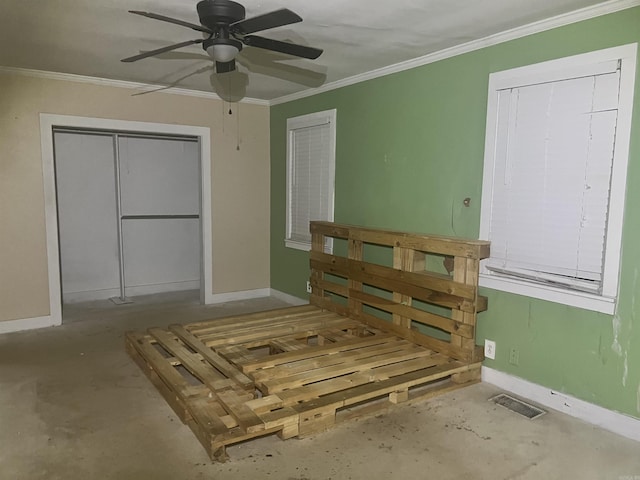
(386, 324)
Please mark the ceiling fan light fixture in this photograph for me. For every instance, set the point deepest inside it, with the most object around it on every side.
(222, 49)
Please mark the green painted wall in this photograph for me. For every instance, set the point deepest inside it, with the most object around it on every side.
(410, 148)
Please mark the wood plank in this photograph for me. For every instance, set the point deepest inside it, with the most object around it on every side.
(307, 392)
(420, 316)
(156, 362)
(287, 344)
(402, 260)
(237, 354)
(262, 338)
(173, 399)
(334, 335)
(314, 351)
(418, 338)
(386, 279)
(316, 362)
(355, 252)
(216, 361)
(429, 243)
(372, 390)
(228, 398)
(202, 412)
(262, 335)
(303, 378)
(400, 273)
(327, 304)
(247, 319)
(263, 323)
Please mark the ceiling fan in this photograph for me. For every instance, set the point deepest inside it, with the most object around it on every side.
(226, 30)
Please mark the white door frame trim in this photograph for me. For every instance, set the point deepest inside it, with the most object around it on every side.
(47, 122)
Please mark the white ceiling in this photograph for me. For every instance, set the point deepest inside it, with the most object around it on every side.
(89, 37)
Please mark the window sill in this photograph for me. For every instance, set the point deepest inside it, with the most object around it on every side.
(587, 301)
(298, 245)
(306, 246)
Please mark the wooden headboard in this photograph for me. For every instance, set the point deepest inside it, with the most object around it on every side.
(422, 287)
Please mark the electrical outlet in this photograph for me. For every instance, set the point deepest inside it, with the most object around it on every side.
(308, 286)
(514, 356)
(490, 349)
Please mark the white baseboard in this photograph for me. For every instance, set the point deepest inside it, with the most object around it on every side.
(133, 291)
(285, 297)
(615, 422)
(27, 324)
(241, 295)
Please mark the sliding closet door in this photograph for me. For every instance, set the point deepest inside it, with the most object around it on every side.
(159, 188)
(87, 219)
(157, 180)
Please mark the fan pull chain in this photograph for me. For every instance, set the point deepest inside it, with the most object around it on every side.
(238, 129)
(222, 114)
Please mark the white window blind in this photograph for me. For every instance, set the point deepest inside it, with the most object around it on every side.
(555, 177)
(310, 174)
(554, 153)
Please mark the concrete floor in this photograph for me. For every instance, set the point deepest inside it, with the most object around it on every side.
(74, 406)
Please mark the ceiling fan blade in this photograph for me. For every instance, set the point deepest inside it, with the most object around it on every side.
(277, 18)
(267, 63)
(282, 47)
(174, 83)
(155, 16)
(161, 50)
(225, 67)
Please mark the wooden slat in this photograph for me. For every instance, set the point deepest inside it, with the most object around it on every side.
(311, 364)
(251, 318)
(420, 316)
(315, 351)
(156, 362)
(265, 333)
(201, 410)
(237, 354)
(389, 279)
(356, 252)
(299, 379)
(402, 260)
(418, 338)
(307, 392)
(219, 363)
(428, 243)
(248, 420)
(175, 397)
(214, 327)
(400, 273)
(332, 287)
(372, 390)
(336, 335)
(287, 344)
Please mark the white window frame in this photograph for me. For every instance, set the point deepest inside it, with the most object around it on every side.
(556, 70)
(305, 121)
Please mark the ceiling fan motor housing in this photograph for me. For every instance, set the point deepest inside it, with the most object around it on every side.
(226, 31)
(213, 13)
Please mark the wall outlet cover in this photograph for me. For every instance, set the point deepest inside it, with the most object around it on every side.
(490, 349)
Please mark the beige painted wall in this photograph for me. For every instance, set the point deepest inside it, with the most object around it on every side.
(240, 180)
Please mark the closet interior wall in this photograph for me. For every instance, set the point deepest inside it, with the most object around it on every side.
(128, 213)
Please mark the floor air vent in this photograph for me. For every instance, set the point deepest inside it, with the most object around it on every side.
(518, 406)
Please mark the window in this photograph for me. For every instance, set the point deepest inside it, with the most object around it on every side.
(310, 174)
(555, 175)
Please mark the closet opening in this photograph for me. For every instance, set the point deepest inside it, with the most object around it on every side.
(129, 215)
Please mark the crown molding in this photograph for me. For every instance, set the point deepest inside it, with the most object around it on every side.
(586, 13)
(141, 87)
